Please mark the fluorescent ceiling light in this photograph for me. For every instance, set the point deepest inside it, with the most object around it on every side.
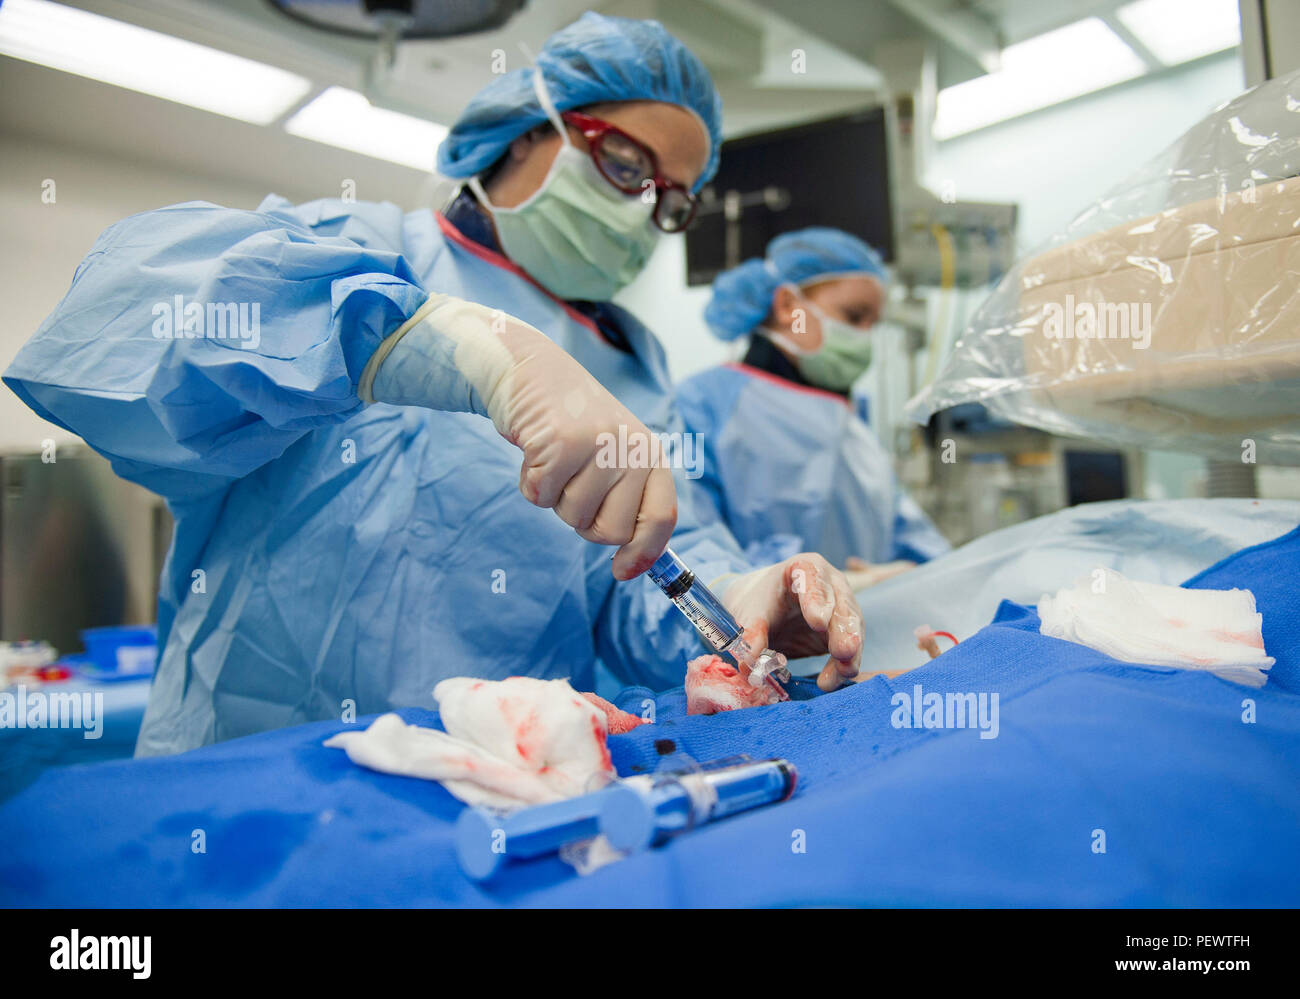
(124, 55)
(1178, 31)
(1036, 73)
(344, 118)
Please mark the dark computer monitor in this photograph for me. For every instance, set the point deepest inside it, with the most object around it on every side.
(1093, 476)
(833, 172)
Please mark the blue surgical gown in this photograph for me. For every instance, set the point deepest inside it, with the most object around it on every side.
(790, 468)
(330, 556)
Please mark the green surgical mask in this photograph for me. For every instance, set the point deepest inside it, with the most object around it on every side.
(578, 236)
(840, 361)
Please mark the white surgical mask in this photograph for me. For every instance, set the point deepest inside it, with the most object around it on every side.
(577, 235)
(842, 358)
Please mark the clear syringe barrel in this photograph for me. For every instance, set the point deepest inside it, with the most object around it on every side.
(713, 621)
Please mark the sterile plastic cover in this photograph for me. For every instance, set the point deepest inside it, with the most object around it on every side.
(1190, 270)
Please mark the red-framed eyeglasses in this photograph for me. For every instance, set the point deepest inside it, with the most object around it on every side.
(628, 165)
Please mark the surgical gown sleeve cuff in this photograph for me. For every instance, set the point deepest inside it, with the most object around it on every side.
(424, 362)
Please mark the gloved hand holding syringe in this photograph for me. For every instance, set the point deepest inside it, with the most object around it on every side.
(716, 624)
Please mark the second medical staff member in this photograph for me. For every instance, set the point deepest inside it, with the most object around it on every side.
(787, 464)
(348, 524)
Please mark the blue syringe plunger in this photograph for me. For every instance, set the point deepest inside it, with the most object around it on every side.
(485, 840)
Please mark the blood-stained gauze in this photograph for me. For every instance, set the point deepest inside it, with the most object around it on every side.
(1218, 631)
(508, 743)
(713, 685)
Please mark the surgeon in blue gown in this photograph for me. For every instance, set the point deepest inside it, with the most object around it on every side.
(787, 464)
(333, 399)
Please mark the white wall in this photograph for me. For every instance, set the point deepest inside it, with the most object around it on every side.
(1054, 162)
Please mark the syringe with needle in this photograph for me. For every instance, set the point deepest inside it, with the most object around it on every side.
(714, 622)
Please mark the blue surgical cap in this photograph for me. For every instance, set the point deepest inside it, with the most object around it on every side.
(593, 60)
(742, 296)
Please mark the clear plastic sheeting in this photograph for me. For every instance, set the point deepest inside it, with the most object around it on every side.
(1166, 314)
(1160, 541)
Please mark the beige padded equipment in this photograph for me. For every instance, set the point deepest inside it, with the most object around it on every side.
(1219, 281)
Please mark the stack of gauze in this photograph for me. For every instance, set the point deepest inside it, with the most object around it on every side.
(508, 743)
(1214, 630)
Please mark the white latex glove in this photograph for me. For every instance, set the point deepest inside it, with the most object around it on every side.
(860, 573)
(462, 356)
(801, 607)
